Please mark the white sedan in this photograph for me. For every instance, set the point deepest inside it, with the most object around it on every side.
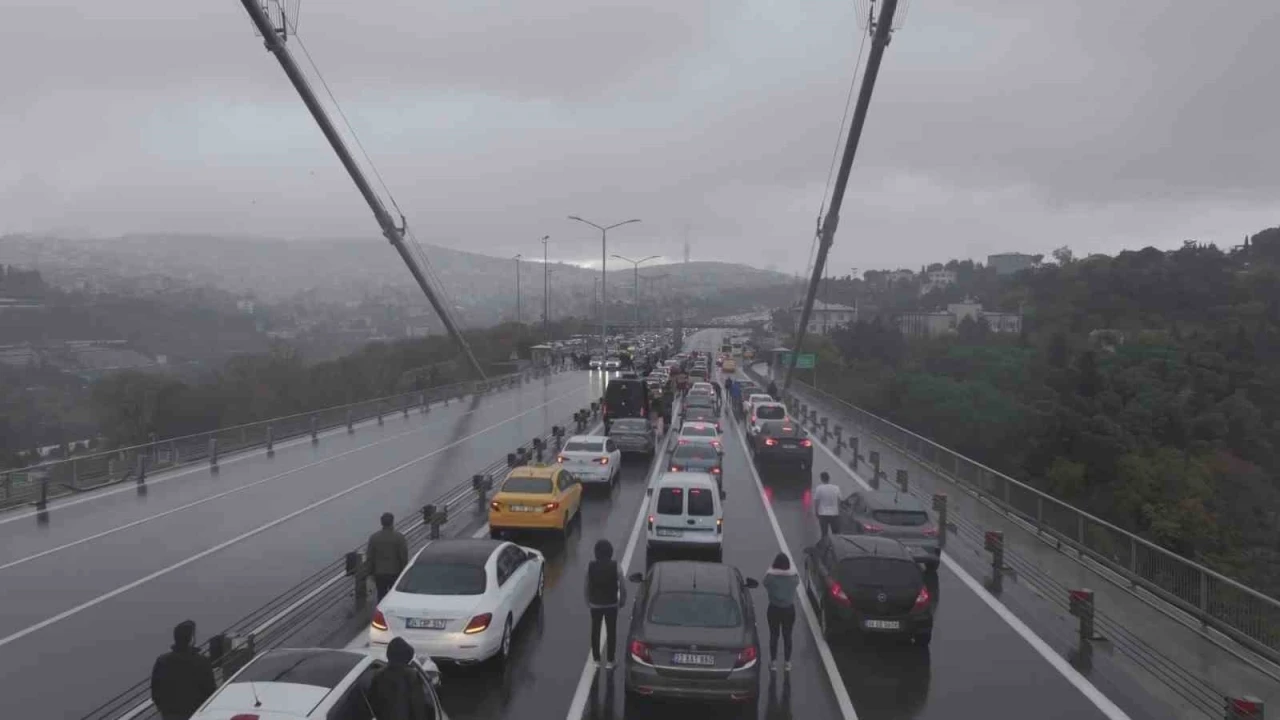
(460, 600)
(592, 458)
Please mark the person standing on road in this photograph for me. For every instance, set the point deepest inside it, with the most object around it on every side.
(181, 679)
(826, 505)
(772, 390)
(780, 583)
(387, 555)
(396, 692)
(606, 591)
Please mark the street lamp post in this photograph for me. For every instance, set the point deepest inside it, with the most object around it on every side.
(546, 292)
(636, 267)
(604, 234)
(517, 259)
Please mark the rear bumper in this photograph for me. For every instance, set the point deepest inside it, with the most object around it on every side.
(908, 625)
(647, 681)
(450, 647)
(633, 446)
(704, 540)
(526, 521)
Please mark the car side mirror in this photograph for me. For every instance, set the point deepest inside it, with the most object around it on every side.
(636, 577)
(751, 583)
(722, 495)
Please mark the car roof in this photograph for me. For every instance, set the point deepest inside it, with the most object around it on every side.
(287, 682)
(850, 546)
(686, 477)
(892, 500)
(586, 438)
(691, 576)
(472, 551)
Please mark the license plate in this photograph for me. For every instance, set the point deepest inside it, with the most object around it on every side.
(883, 625)
(666, 532)
(521, 508)
(693, 659)
(788, 444)
(423, 624)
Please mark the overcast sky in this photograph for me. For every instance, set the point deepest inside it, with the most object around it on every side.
(997, 125)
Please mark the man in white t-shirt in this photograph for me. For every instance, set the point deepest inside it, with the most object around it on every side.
(826, 505)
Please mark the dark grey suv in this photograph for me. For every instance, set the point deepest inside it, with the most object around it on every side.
(896, 515)
(693, 636)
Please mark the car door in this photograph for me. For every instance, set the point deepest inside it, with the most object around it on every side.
(522, 579)
(507, 600)
(434, 710)
(615, 455)
(570, 492)
(819, 555)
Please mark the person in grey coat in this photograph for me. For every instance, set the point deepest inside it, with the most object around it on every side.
(780, 582)
(387, 555)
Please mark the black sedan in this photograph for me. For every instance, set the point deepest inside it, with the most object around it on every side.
(869, 584)
(693, 636)
(782, 441)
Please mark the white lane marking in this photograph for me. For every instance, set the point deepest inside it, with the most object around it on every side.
(824, 649)
(167, 475)
(258, 530)
(1056, 661)
(578, 706)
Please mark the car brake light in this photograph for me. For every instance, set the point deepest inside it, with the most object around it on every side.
(640, 651)
(837, 593)
(494, 506)
(715, 471)
(478, 624)
(379, 620)
(550, 507)
(770, 442)
(746, 656)
(719, 526)
(560, 459)
(650, 522)
(244, 716)
(931, 532)
(675, 468)
(871, 528)
(806, 443)
(922, 599)
(603, 460)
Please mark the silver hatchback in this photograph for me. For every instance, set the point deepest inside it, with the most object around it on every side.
(633, 435)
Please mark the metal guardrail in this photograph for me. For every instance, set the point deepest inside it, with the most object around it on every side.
(1230, 607)
(37, 483)
(335, 588)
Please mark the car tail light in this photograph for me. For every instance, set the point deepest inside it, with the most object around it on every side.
(603, 460)
(837, 594)
(871, 528)
(478, 624)
(379, 620)
(560, 459)
(922, 599)
(931, 532)
(806, 443)
(770, 442)
(715, 471)
(650, 522)
(640, 651)
(715, 444)
(494, 506)
(550, 507)
(746, 656)
(248, 716)
(719, 526)
(675, 468)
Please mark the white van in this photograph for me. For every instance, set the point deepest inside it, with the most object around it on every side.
(685, 512)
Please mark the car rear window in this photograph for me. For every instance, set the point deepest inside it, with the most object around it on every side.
(584, 445)
(901, 518)
(771, 412)
(632, 426)
(438, 578)
(301, 667)
(696, 451)
(527, 485)
(671, 501)
(699, 431)
(694, 609)
(700, 503)
(879, 571)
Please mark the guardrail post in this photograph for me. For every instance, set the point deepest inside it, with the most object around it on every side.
(804, 412)
(1246, 706)
(314, 426)
(875, 470)
(350, 424)
(940, 507)
(853, 448)
(522, 456)
(902, 481)
(538, 445)
(993, 542)
(355, 569)
(839, 431)
(173, 452)
(406, 408)
(43, 502)
(813, 416)
(826, 433)
(422, 402)
(1081, 605)
(271, 440)
(446, 402)
(557, 437)
(481, 484)
(142, 468)
(512, 460)
(213, 454)
(595, 408)
(8, 485)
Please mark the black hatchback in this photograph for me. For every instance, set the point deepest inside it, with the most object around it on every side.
(870, 584)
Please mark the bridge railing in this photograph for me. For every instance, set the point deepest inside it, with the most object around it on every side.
(37, 483)
(1230, 607)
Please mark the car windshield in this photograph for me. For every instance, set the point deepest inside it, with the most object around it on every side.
(437, 578)
(695, 451)
(771, 412)
(699, 431)
(629, 426)
(694, 609)
(671, 501)
(901, 518)
(700, 503)
(593, 446)
(530, 485)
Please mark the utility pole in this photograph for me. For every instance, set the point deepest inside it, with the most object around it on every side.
(880, 32)
(274, 38)
(604, 236)
(517, 259)
(636, 267)
(546, 291)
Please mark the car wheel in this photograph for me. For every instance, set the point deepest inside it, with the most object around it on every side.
(923, 639)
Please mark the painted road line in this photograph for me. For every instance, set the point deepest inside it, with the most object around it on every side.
(1056, 661)
(256, 531)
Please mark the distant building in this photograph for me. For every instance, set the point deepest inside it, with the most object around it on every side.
(1010, 263)
(825, 316)
(945, 322)
(895, 276)
(937, 279)
(245, 306)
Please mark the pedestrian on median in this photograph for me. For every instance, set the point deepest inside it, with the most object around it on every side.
(606, 591)
(387, 555)
(181, 679)
(780, 583)
(772, 390)
(826, 505)
(396, 692)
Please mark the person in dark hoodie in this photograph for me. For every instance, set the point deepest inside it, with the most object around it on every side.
(606, 591)
(181, 679)
(780, 583)
(397, 692)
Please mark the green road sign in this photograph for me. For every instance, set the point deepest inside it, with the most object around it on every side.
(806, 361)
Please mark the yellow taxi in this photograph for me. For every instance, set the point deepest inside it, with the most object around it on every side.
(535, 497)
(730, 365)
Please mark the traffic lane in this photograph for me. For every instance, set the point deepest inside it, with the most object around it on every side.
(548, 648)
(89, 514)
(976, 666)
(110, 645)
(62, 580)
(750, 545)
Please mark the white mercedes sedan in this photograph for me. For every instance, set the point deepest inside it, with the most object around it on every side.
(460, 600)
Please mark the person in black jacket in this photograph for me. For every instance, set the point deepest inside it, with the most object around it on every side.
(181, 679)
(387, 555)
(397, 692)
(606, 591)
